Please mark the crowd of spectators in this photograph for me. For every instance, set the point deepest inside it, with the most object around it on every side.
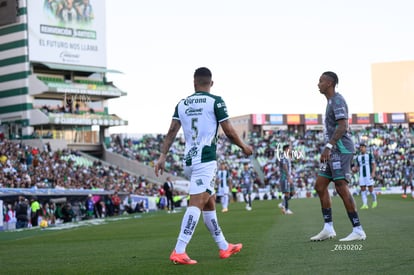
(23, 166)
(390, 145)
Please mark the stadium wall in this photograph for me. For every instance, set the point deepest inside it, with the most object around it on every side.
(393, 86)
(137, 168)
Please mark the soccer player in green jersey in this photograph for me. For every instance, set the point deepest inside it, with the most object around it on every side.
(200, 115)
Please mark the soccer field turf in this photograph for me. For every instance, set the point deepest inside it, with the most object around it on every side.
(272, 243)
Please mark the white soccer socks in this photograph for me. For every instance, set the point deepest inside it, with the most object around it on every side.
(188, 226)
(210, 220)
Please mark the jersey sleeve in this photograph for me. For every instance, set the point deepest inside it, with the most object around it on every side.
(220, 109)
(175, 115)
(356, 161)
(340, 109)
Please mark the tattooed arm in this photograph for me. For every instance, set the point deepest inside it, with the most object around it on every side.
(337, 135)
(339, 131)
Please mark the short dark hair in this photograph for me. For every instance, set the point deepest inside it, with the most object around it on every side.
(333, 76)
(202, 76)
(286, 146)
(202, 71)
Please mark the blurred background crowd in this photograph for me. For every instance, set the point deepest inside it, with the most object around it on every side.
(23, 166)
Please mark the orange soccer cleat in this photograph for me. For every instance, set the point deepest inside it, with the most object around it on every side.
(181, 258)
(232, 249)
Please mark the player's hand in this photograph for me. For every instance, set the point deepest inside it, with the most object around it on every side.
(326, 155)
(248, 150)
(160, 165)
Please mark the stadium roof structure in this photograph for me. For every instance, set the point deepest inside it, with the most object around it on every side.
(79, 68)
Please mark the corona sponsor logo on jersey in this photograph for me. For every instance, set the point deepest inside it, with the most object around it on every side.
(196, 100)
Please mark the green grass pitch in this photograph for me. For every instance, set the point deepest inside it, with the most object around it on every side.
(272, 243)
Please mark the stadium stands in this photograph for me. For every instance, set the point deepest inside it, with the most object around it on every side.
(24, 166)
(391, 145)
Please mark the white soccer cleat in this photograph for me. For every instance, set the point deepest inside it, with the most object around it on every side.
(281, 205)
(324, 235)
(356, 235)
(288, 212)
(248, 208)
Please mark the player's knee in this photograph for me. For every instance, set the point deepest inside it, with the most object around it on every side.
(342, 191)
(320, 188)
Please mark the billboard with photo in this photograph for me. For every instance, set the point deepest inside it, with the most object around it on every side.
(68, 32)
(8, 12)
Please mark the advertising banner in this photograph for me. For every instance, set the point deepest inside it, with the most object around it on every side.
(362, 119)
(67, 32)
(398, 118)
(276, 119)
(381, 118)
(293, 119)
(259, 119)
(311, 119)
(410, 117)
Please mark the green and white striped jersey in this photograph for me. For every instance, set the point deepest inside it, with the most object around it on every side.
(364, 162)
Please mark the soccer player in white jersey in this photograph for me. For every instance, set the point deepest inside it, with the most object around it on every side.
(365, 162)
(200, 115)
(223, 186)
